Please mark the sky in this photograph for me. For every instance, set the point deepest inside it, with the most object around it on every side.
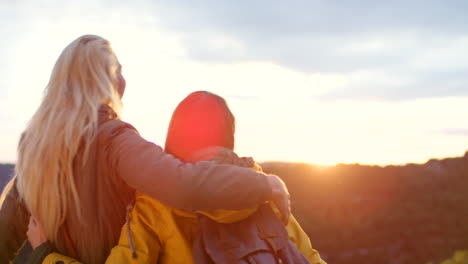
(324, 82)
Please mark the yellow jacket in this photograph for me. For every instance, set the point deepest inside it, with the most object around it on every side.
(161, 234)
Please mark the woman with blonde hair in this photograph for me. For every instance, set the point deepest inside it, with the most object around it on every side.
(79, 165)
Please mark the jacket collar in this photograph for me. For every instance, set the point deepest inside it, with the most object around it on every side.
(106, 113)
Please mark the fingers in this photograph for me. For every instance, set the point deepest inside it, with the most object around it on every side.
(282, 203)
(35, 233)
(31, 228)
(287, 212)
(280, 197)
(32, 223)
(286, 209)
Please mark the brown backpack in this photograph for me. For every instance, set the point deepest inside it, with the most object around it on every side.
(261, 238)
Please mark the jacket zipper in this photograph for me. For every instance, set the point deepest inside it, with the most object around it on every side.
(129, 231)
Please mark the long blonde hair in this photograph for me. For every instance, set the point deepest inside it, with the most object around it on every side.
(64, 127)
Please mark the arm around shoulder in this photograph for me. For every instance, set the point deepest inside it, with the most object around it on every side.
(190, 186)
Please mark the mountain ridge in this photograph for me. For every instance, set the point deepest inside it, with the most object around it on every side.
(413, 213)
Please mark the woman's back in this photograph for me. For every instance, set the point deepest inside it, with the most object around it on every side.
(103, 197)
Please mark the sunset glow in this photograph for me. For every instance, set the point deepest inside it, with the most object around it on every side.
(283, 113)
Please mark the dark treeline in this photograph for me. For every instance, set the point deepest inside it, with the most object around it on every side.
(370, 214)
(6, 172)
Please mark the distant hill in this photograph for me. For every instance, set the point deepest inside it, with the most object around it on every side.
(354, 213)
(6, 172)
(370, 214)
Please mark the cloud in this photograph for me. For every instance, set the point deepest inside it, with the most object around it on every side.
(422, 42)
(455, 132)
(386, 50)
(397, 86)
(308, 34)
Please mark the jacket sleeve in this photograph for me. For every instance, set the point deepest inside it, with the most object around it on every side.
(302, 242)
(197, 186)
(230, 216)
(14, 219)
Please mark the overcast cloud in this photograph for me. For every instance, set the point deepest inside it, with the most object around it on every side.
(417, 48)
(380, 50)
